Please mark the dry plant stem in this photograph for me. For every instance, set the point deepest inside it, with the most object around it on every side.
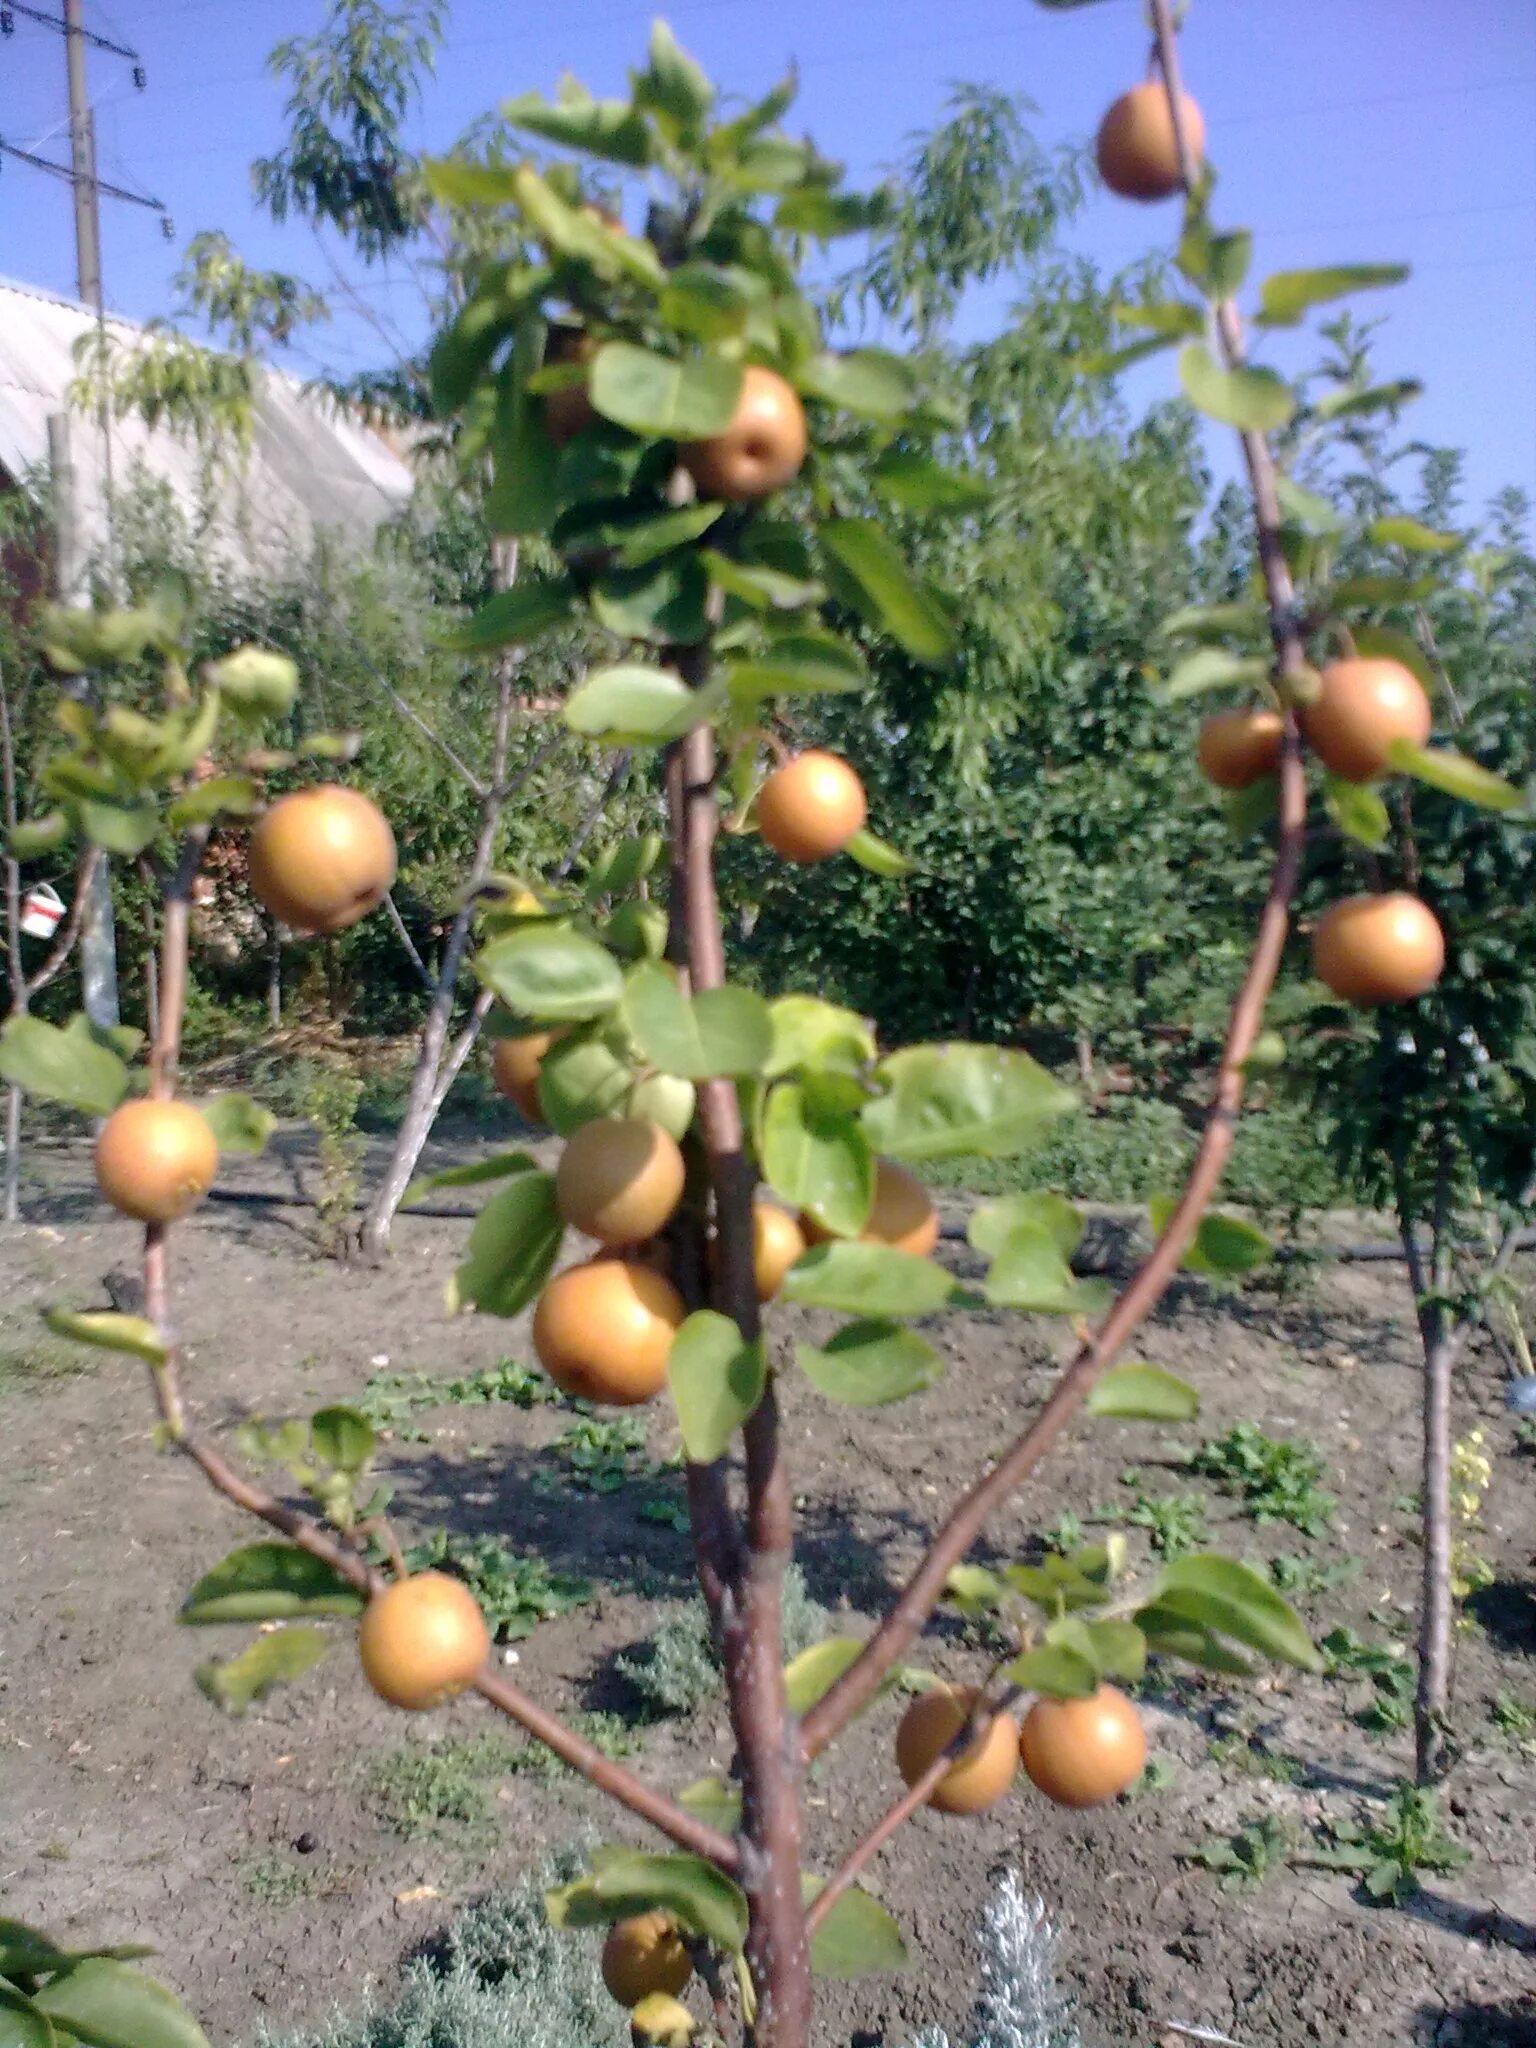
(902, 1810)
(901, 1627)
(303, 1530)
(751, 1617)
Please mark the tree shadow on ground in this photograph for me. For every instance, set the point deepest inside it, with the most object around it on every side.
(1506, 1611)
(1476, 2025)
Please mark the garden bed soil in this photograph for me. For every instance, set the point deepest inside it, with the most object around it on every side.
(251, 1854)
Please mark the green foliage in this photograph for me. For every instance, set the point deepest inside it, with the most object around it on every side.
(502, 1978)
(1255, 1852)
(390, 1399)
(1389, 1704)
(516, 1590)
(675, 1671)
(1390, 1852)
(1175, 1522)
(418, 1790)
(1274, 1477)
(330, 1104)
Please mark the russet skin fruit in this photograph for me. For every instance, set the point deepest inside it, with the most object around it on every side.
(760, 451)
(811, 807)
(1238, 748)
(1379, 949)
(1083, 1752)
(422, 1640)
(156, 1160)
(1137, 151)
(1364, 706)
(604, 1331)
(619, 1179)
(981, 1774)
(322, 858)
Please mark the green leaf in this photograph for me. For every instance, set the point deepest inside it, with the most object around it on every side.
(34, 836)
(21, 2024)
(1226, 263)
(866, 570)
(1223, 1244)
(221, 796)
(721, 1031)
(1396, 646)
(817, 1160)
(816, 1670)
(945, 1101)
(662, 397)
(513, 1245)
(1029, 1273)
(1057, 1670)
(472, 1175)
(714, 1802)
(1353, 402)
(879, 856)
(1256, 400)
(1232, 1599)
(108, 2004)
(1174, 319)
(587, 1075)
(630, 705)
(797, 665)
(868, 381)
(869, 1280)
(64, 1066)
(552, 976)
(1249, 810)
(268, 1582)
(109, 1331)
(1306, 508)
(255, 681)
(513, 617)
(1443, 768)
(1119, 1649)
(867, 1365)
(808, 1032)
(993, 1223)
(1172, 1634)
(858, 1937)
(1285, 297)
(1215, 622)
(817, 211)
(343, 1438)
(271, 1660)
(239, 1124)
(461, 181)
(624, 1881)
(573, 232)
(525, 490)
(917, 483)
(1143, 1393)
(1399, 531)
(717, 1381)
(612, 129)
(974, 1590)
(660, 601)
(767, 590)
(1108, 362)
(1358, 811)
(673, 84)
(124, 829)
(709, 300)
(648, 539)
(1212, 668)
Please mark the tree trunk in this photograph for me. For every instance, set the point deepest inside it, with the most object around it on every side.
(10, 1204)
(425, 1099)
(274, 976)
(1431, 1706)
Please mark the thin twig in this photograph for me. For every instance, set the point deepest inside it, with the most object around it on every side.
(473, 782)
(392, 912)
(69, 932)
(899, 1630)
(589, 824)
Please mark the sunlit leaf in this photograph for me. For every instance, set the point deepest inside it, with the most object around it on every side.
(1443, 768)
(512, 1248)
(109, 2004)
(109, 1331)
(817, 1161)
(664, 396)
(271, 1660)
(68, 1065)
(1143, 1393)
(717, 1380)
(1289, 294)
(626, 1881)
(721, 1031)
(866, 569)
(269, 1582)
(552, 976)
(1233, 1600)
(513, 617)
(816, 1670)
(1254, 399)
(867, 1365)
(869, 1280)
(858, 1937)
(944, 1101)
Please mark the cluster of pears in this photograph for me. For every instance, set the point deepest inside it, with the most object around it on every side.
(1368, 949)
(320, 859)
(1078, 1752)
(603, 1329)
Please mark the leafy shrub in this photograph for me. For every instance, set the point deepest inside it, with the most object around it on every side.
(675, 1671)
(516, 1589)
(503, 1978)
(1274, 1477)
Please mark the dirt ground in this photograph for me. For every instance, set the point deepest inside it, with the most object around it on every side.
(248, 1851)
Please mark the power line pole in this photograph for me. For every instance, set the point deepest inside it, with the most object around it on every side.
(98, 931)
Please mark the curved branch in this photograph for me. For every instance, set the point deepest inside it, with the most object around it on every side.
(923, 1591)
(64, 944)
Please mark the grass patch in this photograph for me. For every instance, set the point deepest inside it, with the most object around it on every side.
(1275, 1478)
(276, 1882)
(675, 1671)
(415, 1791)
(35, 1361)
(610, 1734)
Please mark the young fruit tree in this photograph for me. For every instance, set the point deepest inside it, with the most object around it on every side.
(708, 480)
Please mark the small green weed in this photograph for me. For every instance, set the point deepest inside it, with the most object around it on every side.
(1274, 1477)
(35, 1361)
(275, 1881)
(1255, 1852)
(609, 1734)
(1389, 1854)
(1064, 1535)
(516, 1589)
(1175, 1523)
(675, 1670)
(390, 1399)
(1246, 1753)
(1514, 1718)
(1392, 1679)
(417, 1791)
(1304, 1575)
(601, 1455)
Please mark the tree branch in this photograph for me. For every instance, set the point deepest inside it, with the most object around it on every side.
(902, 1625)
(392, 912)
(663, 1813)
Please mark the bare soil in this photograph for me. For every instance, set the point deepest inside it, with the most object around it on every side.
(249, 1853)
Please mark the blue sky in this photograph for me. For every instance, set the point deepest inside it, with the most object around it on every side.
(1344, 130)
